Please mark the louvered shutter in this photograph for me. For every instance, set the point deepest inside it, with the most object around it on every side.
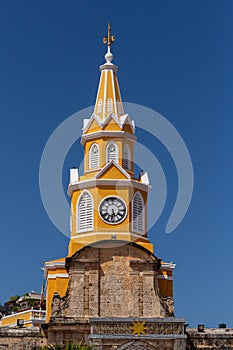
(112, 152)
(138, 213)
(126, 157)
(85, 212)
(94, 156)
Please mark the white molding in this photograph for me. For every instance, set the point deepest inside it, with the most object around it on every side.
(114, 94)
(126, 117)
(108, 165)
(55, 264)
(92, 170)
(110, 233)
(97, 96)
(24, 312)
(105, 92)
(165, 277)
(110, 134)
(87, 122)
(57, 275)
(105, 182)
(108, 66)
(167, 266)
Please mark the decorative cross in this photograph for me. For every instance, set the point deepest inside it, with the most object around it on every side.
(110, 38)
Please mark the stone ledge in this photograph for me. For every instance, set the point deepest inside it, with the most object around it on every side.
(130, 319)
(136, 337)
(19, 332)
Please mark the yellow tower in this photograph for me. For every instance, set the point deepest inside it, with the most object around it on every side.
(107, 202)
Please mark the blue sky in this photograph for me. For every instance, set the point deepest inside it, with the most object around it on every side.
(174, 57)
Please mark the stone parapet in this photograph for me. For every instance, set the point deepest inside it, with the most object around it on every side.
(210, 338)
(15, 338)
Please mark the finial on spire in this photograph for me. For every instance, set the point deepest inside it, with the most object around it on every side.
(109, 40)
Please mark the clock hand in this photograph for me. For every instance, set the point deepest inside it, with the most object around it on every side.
(112, 215)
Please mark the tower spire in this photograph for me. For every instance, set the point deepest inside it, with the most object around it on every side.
(108, 99)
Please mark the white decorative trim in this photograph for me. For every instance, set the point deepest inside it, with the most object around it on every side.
(126, 117)
(108, 66)
(56, 264)
(167, 266)
(92, 170)
(97, 96)
(87, 122)
(110, 233)
(108, 165)
(114, 94)
(165, 277)
(24, 312)
(57, 275)
(109, 117)
(145, 179)
(110, 134)
(119, 121)
(105, 182)
(105, 92)
(74, 175)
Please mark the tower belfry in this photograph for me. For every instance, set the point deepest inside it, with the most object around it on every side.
(111, 288)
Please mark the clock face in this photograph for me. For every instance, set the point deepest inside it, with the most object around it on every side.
(112, 210)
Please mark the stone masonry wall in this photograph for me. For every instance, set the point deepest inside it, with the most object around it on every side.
(21, 338)
(116, 281)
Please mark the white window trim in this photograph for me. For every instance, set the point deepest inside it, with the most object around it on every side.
(77, 213)
(90, 156)
(142, 232)
(117, 152)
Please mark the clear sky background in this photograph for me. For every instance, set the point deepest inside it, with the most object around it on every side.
(174, 57)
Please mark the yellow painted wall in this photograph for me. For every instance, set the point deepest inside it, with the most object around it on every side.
(58, 285)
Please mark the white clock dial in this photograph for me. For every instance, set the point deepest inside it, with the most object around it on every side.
(112, 210)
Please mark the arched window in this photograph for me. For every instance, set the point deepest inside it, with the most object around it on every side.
(111, 152)
(110, 105)
(138, 213)
(84, 212)
(94, 156)
(126, 157)
(119, 108)
(99, 106)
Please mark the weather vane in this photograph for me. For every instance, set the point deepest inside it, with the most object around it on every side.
(110, 38)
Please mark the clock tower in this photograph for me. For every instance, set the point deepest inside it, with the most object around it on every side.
(111, 289)
(108, 201)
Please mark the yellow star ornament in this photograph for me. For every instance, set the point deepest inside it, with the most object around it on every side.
(138, 328)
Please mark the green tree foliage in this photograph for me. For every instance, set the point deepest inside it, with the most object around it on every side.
(222, 325)
(14, 298)
(68, 346)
